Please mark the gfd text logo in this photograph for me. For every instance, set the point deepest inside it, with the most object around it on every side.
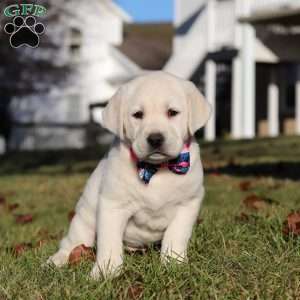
(24, 30)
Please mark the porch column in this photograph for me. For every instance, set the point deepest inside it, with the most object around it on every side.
(297, 103)
(210, 72)
(248, 75)
(236, 99)
(210, 93)
(273, 105)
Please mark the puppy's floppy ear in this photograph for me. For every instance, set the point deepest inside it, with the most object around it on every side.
(113, 114)
(198, 108)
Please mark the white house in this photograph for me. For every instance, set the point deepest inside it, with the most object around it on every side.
(87, 38)
(258, 42)
(244, 54)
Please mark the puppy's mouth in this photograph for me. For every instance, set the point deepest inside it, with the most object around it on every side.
(157, 157)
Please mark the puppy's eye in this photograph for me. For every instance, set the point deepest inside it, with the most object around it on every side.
(138, 115)
(172, 113)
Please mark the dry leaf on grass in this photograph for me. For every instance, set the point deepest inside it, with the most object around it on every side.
(6, 205)
(292, 224)
(245, 185)
(19, 249)
(81, 252)
(24, 219)
(13, 206)
(135, 291)
(256, 202)
(2, 200)
(215, 173)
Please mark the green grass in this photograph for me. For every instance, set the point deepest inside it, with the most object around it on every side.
(229, 258)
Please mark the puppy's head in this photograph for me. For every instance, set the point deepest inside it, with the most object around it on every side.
(156, 114)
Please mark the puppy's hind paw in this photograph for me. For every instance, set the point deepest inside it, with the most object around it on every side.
(58, 259)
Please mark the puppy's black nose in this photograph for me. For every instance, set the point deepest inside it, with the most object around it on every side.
(155, 140)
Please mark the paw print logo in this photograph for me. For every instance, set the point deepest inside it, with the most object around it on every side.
(24, 31)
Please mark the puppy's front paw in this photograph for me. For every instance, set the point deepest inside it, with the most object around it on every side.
(107, 268)
(59, 259)
(168, 256)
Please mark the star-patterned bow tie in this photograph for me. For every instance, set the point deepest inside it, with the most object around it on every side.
(179, 165)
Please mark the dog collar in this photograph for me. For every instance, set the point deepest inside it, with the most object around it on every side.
(179, 165)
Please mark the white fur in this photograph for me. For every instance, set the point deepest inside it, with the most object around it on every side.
(116, 204)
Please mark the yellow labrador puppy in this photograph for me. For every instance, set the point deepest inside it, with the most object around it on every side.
(149, 187)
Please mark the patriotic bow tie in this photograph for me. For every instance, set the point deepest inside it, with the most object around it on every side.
(179, 165)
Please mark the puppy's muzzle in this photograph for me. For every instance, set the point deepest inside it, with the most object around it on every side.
(155, 140)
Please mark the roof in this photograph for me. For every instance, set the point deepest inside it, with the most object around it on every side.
(148, 45)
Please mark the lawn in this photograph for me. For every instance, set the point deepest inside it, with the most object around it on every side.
(238, 249)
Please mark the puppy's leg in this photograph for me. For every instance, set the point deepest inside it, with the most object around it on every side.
(83, 225)
(82, 231)
(178, 233)
(110, 230)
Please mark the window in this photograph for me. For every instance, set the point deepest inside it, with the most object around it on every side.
(75, 43)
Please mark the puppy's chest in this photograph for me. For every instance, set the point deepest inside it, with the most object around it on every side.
(157, 204)
(154, 220)
(162, 193)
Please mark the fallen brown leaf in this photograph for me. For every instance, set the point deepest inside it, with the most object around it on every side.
(23, 219)
(256, 202)
(292, 224)
(19, 249)
(13, 206)
(81, 252)
(215, 173)
(2, 200)
(245, 185)
(135, 291)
